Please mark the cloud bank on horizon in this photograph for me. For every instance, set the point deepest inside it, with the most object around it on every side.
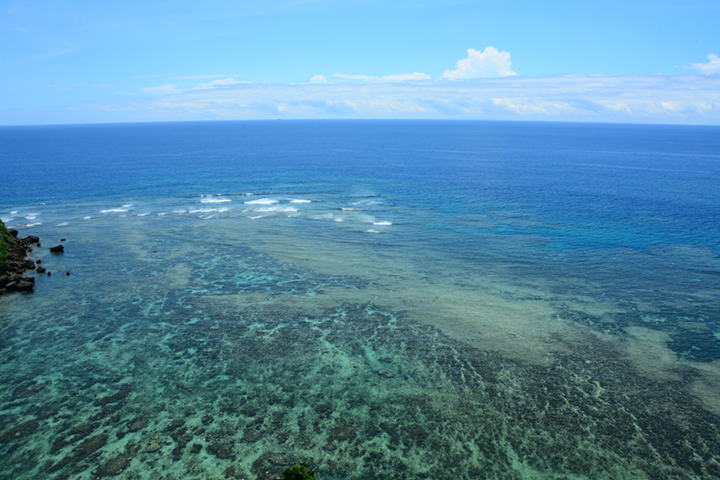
(481, 86)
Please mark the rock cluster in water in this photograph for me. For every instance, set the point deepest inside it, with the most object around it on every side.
(14, 262)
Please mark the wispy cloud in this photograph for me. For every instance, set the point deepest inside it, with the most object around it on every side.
(202, 77)
(486, 64)
(162, 90)
(171, 88)
(218, 83)
(403, 77)
(713, 66)
(319, 79)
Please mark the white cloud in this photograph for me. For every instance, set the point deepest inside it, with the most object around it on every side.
(403, 77)
(713, 66)
(486, 64)
(218, 83)
(172, 89)
(163, 90)
(318, 79)
(655, 99)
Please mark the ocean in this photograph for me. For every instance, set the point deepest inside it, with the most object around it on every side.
(376, 299)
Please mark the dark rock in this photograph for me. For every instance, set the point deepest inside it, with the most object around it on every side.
(26, 390)
(342, 433)
(62, 239)
(90, 445)
(13, 233)
(418, 435)
(196, 448)
(182, 441)
(12, 286)
(67, 273)
(137, 424)
(83, 431)
(45, 412)
(20, 431)
(113, 467)
(251, 435)
(271, 465)
(41, 270)
(49, 273)
(221, 450)
(26, 265)
(28, 279)
(31, 239)
(24, 287)
(38, 261)
(57, 249)
(62, 464)
(124, 391)
(207, 419)
(175, 424)
(59, 444)
(324, 410)
(108, 410)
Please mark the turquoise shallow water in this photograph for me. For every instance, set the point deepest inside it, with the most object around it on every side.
(235, 305)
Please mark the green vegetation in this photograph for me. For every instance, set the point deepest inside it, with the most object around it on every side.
(5, 241)
(299, 472)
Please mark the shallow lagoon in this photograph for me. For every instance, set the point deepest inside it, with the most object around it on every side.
(394, 300)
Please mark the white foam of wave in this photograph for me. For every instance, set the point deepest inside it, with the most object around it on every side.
(351, 209)
(62, 224)
(328, 216)
(300, 201)
(127, 206)
(179, 211)
(208, 210)
(7, 219)
(13, 213)
(114, 210)
(256, 217)
(215, 200)
(123, 215)
(33, 224)
(162, 213)
(31, 217)
(372, 231)
(382, 223)
(262, 201)
(87, 218)
(276, 209)
(143, 214)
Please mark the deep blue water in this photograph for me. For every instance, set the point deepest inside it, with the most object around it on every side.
(472, 260)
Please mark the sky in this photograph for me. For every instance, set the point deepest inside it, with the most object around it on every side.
(626, 61)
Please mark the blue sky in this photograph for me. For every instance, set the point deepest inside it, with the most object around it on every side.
(629, 61)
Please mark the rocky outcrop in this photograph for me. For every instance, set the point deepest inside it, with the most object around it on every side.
(14, 261)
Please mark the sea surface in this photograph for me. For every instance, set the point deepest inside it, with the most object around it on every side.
(377, 299)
